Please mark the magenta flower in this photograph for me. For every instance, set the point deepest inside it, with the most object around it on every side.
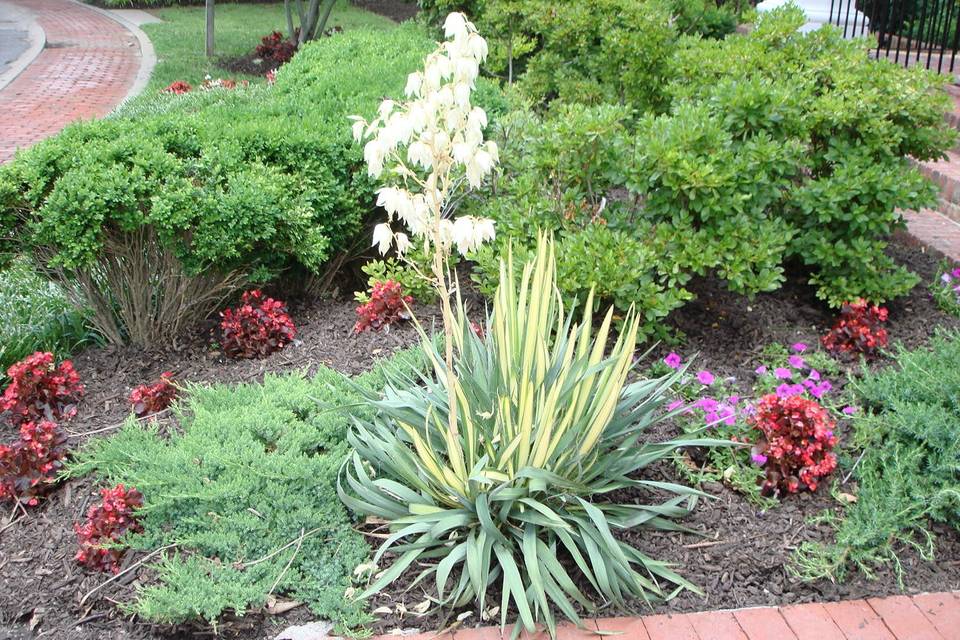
(705, 378)
(762, 369)
(796, 362)
(759, 459)
(849, 410)
(707, 404)
(711, 418)
(727, 414)
(674, 405)
(672, 360)
(799, 347)
(783, 373)
(733, 399)
(814, 374)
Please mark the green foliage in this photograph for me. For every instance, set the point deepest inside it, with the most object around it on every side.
(844, 124)
(490, 469)
(909, 472)
(251, 469)
(36, 316)
(235, 185)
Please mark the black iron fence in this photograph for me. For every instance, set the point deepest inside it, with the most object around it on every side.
(908, 32)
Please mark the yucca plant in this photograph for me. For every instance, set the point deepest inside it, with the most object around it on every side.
(545, 426)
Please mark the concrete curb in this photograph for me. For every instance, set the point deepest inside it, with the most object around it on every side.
(148, 57)
(38, 40)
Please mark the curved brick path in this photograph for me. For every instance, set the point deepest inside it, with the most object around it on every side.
(89, 64)
(934, 616)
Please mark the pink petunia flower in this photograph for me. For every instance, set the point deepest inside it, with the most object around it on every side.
(672, 360)
(705, 378)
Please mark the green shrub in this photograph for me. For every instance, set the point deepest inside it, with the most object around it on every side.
(496, 471)
(157, 214)
(251, 469)
(847, 124)
(908, 474)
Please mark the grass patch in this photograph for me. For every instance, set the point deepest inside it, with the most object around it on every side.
(36, 316)
(909, 472)
(179, 39)
(253, 468)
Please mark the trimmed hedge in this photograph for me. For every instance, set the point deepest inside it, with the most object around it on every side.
(208, 190)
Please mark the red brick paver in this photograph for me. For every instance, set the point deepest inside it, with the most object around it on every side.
(86, 69)
(923, 617)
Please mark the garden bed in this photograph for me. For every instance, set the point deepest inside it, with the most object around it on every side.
(739, 563)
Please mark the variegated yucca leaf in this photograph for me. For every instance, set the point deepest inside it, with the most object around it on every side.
(546, 425)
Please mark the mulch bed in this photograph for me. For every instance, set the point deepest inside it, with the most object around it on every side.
(742, 566)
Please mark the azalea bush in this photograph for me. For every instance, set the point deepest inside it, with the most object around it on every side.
(100, 536)
(499, 477)
(256, 328)
(40, 389)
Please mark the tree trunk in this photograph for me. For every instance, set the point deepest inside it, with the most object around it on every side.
(288, 11)
(322, 24)
(209, 47)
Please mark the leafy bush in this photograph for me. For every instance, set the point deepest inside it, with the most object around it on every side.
(858, 329)
(29, 467)
(148, 399)
(158, 214)
(36, 315)
(843, 132)
(257, 328)
(40, 390)
(908, 474)
(251, 470)
(275, 48)
(387, 304)
(107, 522)
(500, 482)
(796, 445)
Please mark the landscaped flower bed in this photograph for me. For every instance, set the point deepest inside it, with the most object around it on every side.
(258, 460)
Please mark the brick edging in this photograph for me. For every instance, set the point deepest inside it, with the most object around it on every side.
(931, 616)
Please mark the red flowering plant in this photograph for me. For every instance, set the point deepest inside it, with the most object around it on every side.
(41, 390)
(795, 444)
(858, 329)
(29, 466)
(148, 399)
(106, 524)
(257, 328)
(276, 49)
(178, 87)
(386, 305)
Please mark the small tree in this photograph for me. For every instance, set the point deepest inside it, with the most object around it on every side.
(312, 19)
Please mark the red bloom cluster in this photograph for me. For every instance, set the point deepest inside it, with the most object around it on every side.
(387, 305)
(179, 87)
(105, 524)
(39, 390)
(28, 467)
(796, 443)
(858, 329)
(257, 328)
(276, 48)
(151, 398)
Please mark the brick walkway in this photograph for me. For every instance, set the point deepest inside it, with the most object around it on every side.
(88, 66)
(924, 617)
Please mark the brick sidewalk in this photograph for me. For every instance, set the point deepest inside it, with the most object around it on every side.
(924, 617)
(86, 69)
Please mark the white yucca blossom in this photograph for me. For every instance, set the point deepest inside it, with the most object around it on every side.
(430, 144)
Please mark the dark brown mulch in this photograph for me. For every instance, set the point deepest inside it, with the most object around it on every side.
(43, 587)
(396, 10)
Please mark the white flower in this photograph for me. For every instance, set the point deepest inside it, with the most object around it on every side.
(358, 127)
(420, 154)
(373, 155)
(463, 234)
(383, 236)
(414, 82)
(483, 228)
(402, 242)
(455, 24)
